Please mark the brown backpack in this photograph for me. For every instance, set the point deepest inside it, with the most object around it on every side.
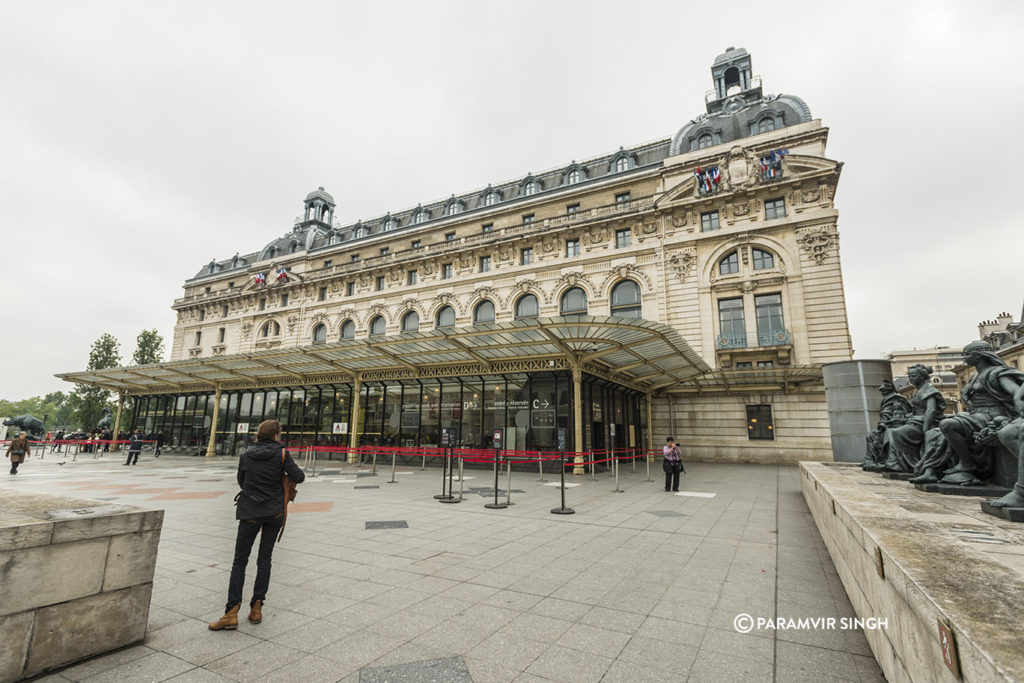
(290, 489)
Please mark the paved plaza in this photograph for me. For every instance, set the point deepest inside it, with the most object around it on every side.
(377, 581)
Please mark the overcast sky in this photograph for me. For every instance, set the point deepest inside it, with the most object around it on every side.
(139, 140)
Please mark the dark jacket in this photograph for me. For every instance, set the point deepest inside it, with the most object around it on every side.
(136, 444)
(259, 477)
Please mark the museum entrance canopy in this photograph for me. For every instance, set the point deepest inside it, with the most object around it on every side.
(640, 354)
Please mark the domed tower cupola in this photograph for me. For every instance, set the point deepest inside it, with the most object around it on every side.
(319, 207)
(735, 84)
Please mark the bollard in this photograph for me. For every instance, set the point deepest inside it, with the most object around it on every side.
(632, 458)
(647, 459)
(461, 480)
(592, 477)
(423, 461)
(392, 480)
(562, 510)
(495, 505)
(615, 464)
(444, 475)
(450, 498)
(540, 464)
(374, 463)
(508, 483)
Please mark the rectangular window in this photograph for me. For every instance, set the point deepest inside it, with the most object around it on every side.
(225, 312)
(623, 238)
(487, 228)
(380, 283)
(284, 299)
(208, 289)
(327, 263)
(709, 221)
(770, 325)
(202, 314)
(765, 364)
(350, 288)
(526, 256)
(449, 237)
(572, 208)
(231, 285)
(733, 334)
(759, 423)
(527, 218)
(384, 251)
(774, 208)
(410, 277)
(446, 271)
(416, 244)
(199, 339)
(323, 294)
(263, 304)
(355, 258)
(744, 365)
(485, 264)
(622, 198)
(572, 247)
(220, 336)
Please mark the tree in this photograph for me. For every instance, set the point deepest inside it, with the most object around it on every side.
(149, 348)
(89, 401)
(55, 405)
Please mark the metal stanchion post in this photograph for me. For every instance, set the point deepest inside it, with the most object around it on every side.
(632, 457)
(540, 465)
(374, 463)
(496, 505)
(615, 464)
(562, 510)
(444, 475)
(450, 498)
(461, 481)
(508, 483)
(423, 461)
(647, 459)
(592, 465)
(393, 456)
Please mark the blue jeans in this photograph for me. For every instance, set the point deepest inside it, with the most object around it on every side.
(267, 527)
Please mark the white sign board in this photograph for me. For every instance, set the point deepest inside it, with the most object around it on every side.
(242, 428)
(612, 426)
(340, 428)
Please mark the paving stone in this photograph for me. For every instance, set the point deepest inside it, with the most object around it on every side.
(449, 670)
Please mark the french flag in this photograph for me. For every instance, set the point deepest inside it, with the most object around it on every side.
(282, 275)
(260, 279)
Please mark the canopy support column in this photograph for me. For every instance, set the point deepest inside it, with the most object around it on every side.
(577, 417)
(650, 430)
(211, 447)
(353, 435)
(117, 420)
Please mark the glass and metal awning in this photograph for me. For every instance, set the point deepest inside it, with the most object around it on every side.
(640, 354)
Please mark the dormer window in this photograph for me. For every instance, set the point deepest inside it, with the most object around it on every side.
(705, 140)
(360, 231)
(453, 208)
(390, 223)
(491, 198)
(572, 177)
(530, 187)
(766, 125)
(421, 216)
(621, 164)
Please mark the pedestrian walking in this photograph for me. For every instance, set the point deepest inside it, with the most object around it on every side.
(159, 441)
(57, 438)
(673, 464)
(261, 511)
(134, 448)
(17, 450)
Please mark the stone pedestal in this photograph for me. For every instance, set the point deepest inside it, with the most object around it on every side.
(899, 476)
(75, 579)
(1009, 514)
(954, 490)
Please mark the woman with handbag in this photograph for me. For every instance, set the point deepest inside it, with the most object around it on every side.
(673, 465)
(265, 471)
(17, 451)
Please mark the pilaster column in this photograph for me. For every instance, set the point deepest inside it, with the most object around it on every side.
(353, 433)
(117, 420)
(577, 417)
(650, 430)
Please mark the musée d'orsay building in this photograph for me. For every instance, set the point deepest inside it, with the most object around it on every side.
(688, 287)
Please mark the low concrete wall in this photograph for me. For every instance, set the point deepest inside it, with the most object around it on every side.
(75, 579)
(915, 559)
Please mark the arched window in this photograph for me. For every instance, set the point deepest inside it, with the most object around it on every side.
(320, 334)
(530, 188)
(765, 125)
(705, 140)
(293, 247)
(484, 312)
(272, 252)
(574, 302)
(453, 208)
(626, 299)
(621, 164)
(348, 330)
(527, 307)
(445, 317)
(763, 259)
(360, 231)
(377, 326)
(410, 321)
(271, 328)
(390, 224)
(335, 238)
(572, 177)
(491, 198)
(420, 217)
(730, 264)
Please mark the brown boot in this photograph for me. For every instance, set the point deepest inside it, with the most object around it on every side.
(256, 612)
(227, 622)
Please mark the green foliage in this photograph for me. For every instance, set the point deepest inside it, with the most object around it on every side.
(149, 348)
(56, 407)
(88, 401)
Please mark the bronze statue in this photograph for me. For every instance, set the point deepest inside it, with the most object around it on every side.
(989, 397)
(105, 422)
(31, 425)
(1011, 435)
(893, 413)
(906, 442)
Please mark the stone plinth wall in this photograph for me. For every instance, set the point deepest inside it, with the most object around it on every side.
(912, 559)
(75, 579)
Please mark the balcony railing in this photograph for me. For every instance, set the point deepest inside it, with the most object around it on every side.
(731, 343)
(773, 338)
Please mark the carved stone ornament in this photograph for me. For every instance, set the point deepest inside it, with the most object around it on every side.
(680, 220)
(741, 170)
(649, 228)
(505, 252)
(682, 262)
(548, 244)
(817, 242)
(741, 208)
(293, 320)
(810, 196)
(428, 267)
(481, 293)
(246, 331)
(598, 236)
(574, 279)
(374, 311)
(626, 271)
(447, 299)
